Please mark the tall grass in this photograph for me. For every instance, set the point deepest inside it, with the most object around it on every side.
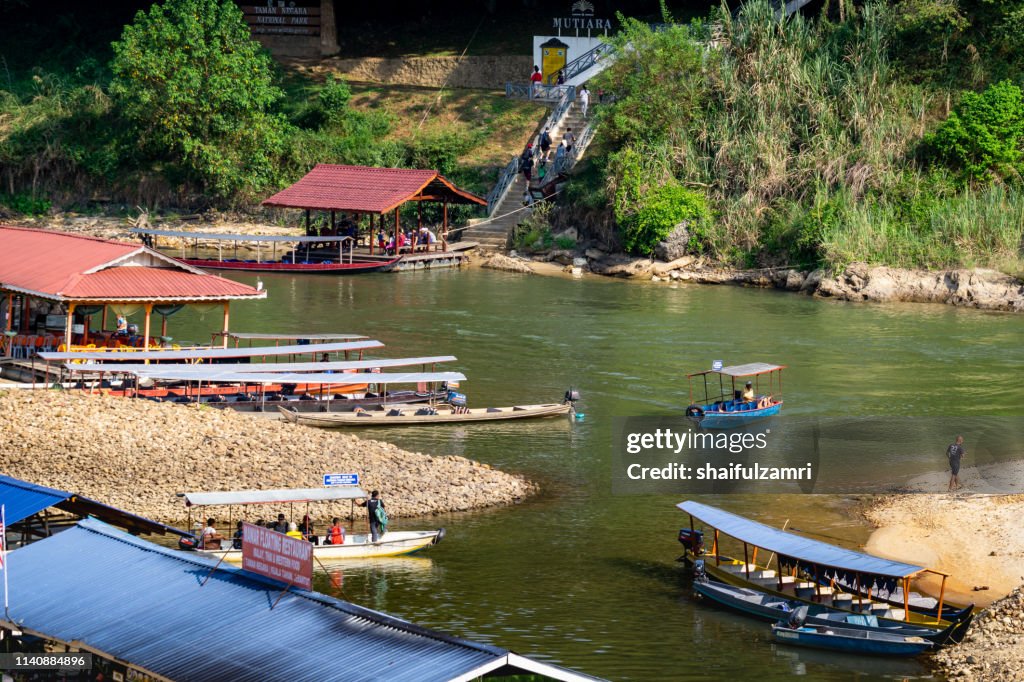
(805, 139)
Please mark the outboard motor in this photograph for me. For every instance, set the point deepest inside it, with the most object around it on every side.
(571, 396)
(692, 540)
(699, 575)
(189, 543)
(797, 617)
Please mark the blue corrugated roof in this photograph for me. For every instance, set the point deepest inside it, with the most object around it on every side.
(22, 499)
(787, 544)
(143, 603)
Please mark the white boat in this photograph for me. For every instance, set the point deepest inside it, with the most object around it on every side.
(356, 545)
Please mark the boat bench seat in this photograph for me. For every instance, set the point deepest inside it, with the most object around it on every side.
(739, 568)
(773, 580)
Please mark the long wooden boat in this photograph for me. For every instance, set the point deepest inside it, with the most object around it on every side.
(851, 641)
(356, 546)
(308, 255)
(773, 608)
(799, 559)
(438, 414)
(724, 407)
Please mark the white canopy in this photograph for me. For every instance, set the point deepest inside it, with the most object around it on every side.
(271, 496)
(212, 374)
(238, 237)
(130, 368)
(211, 353)
(295, 337)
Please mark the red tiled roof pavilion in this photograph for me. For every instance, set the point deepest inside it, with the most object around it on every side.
(77, 270)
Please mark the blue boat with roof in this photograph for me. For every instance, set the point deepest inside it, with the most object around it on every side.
(742, 394)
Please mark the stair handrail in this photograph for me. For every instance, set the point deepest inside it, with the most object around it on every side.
(508, 175)
(585, 61)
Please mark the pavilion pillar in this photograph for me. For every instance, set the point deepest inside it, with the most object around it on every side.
(67, 324)
(307, 222)
(145, 332)
(103, 320)
(397, 226)
(444, 226)
(163, 325)
(371, 234)
(224, 328)
(10, 312)
(334, 230)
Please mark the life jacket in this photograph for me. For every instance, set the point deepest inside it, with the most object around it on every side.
(337, 535)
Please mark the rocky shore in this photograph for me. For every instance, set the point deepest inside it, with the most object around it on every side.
(994, 648)
(136, 455)
(972, 288)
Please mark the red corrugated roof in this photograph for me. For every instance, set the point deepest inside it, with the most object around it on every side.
(61, 265)
(330, 187)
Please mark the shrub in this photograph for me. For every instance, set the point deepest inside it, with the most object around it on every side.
(983, 137)
(334, 98)
(658, 211)
(196, 89)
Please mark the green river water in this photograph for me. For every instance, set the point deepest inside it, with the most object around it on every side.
(584, 578)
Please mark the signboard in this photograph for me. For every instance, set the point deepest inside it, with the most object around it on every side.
(341, 479)
(283, 17)
(276, 556)
(716, 365)
(582, 18)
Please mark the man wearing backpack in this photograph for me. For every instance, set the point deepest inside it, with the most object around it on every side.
(378, 517)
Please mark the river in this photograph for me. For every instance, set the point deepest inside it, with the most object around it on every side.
(577, 575)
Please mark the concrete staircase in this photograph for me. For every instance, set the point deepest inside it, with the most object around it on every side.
(493, 233)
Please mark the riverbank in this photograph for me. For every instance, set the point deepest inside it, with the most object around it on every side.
(994, 648)
(972, 288)
(977, 539)
(137, 454)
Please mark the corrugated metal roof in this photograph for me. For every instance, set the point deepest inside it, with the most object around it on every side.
(22, 499)
(69, 266)
(145, 604)
(331, 187)
(796, 546)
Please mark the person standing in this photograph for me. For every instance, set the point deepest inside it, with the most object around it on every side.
(536, 79)
(526, 163)
(372, 506)
(955, 453)
(569, 139)
(584, 101)
(545, 145)
(336, 534)
(560, 153)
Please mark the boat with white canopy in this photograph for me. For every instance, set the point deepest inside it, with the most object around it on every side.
(355, 545)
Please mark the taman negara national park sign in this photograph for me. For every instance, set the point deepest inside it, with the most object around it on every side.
(302, 28)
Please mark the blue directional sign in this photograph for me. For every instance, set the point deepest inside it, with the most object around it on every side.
(341, 479)
(716, 365)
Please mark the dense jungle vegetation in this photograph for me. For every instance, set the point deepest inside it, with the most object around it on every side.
(882, 132)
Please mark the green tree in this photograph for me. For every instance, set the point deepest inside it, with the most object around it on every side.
(199, 93)
(984, 135)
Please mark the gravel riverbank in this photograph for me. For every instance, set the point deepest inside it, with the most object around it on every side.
(994, 648)
(136, 454)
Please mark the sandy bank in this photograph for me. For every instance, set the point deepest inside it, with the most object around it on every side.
(978, 539)
(136, 454)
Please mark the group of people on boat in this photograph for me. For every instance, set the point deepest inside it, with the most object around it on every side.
(744, 398)
(335, 534)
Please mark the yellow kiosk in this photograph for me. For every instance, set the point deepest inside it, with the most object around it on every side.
(553, 59)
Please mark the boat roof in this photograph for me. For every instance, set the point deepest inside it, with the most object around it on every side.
(246, 367)
(795, 546)
(237, 237)
(201, 499)
(211, 353)
(212, 374)
(295, 337)
(748, 370)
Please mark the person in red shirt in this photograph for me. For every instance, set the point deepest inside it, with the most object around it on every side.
(536, 79)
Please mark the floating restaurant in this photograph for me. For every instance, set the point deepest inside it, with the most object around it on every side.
(55, 287)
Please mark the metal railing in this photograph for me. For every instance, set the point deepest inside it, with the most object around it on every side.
(537, 91)
(508, 175)
(586, 60)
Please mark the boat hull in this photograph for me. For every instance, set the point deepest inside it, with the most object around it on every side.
(393, 543)
(444, 415)
(354, 268)
(332, 404)
(756, 603)
(821, 637)
(708, 418)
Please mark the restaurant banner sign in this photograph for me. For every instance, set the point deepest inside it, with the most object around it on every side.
(276, 556)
